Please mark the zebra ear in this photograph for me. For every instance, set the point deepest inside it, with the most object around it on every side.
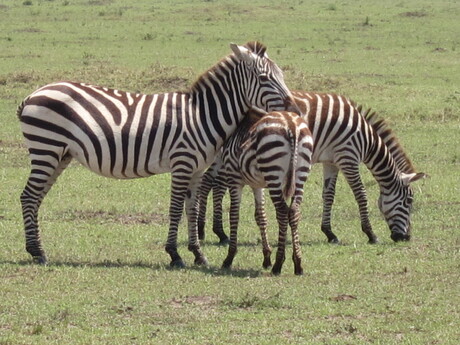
(409, 178)
(243, 53)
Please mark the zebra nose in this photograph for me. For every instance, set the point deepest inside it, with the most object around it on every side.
(290, 105)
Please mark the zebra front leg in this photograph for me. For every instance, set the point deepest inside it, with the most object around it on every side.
(179, 187)
(235, 200)
(330, 173)
(353, 178)
(261, 220)
(44, 173)
(205, 188)
(191, 208)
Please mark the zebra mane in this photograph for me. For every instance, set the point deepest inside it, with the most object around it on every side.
(384, 131)
(257, 48)
(207, 75)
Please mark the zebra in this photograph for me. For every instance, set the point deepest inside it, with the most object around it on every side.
(131, 135)
(274, 152)
(344, 136)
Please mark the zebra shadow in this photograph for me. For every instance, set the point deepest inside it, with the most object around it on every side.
(119, 264)
(90, 264)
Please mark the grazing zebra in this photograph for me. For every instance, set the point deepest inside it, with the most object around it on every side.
(129, 135)
(274, 152)
(344, 137)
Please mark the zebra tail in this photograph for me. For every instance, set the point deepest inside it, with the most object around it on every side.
(290, 178)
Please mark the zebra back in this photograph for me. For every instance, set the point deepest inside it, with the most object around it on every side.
(274, 136)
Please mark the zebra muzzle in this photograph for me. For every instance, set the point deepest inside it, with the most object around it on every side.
(399, 237)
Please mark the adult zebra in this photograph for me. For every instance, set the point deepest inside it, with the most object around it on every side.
(128, 135)
(273, 152)
(344, 137)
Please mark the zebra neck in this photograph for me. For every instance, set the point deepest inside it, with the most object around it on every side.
(382, 165)
(220, 101)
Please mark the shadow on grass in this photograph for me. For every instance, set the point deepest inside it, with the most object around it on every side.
(222, 272)
(210, 270)
(104, 264)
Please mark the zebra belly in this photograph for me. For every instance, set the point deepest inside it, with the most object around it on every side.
(119, 169)
(323, 155)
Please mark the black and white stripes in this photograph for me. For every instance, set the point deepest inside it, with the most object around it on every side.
(129, 135)
(272, 153)
(344, 136)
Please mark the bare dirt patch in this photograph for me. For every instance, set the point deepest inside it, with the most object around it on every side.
(201, 301)
(414, 14)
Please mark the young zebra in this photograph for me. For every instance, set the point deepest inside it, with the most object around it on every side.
(128, 135)
(275, 152)
(343, 138)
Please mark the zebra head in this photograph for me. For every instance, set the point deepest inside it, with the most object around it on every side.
(396, 206)
(265, 86)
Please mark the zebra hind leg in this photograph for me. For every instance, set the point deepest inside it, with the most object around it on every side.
(261, 220)
(44, 173)
(282, 217)
(294, 218)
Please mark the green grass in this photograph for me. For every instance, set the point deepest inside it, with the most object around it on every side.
(108, 281)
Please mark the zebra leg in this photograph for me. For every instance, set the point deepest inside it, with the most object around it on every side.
(179, 187)
(353, 178)
(191, 209)
(206, 186)
(235, 199)
(282, 217)
(218, 193)
(44, 172)
(261, 220)
(294, 218)
(330, 173)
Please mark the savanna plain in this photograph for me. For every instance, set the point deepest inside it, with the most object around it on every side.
(108, 280)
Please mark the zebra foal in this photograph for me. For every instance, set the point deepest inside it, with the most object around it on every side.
(344, 136)
(130, 135)
(273, 153)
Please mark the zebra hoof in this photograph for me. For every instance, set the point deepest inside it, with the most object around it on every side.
(276, 271)
(201, 261)
(178, 263)
(374, 241)
(227, 264)
(224, 241)
(40, 260)
(267, 263)
(298, 271)
(334, 241)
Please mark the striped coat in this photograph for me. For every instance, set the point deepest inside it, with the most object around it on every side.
(344, 136)
(272, 153)
(130, 135)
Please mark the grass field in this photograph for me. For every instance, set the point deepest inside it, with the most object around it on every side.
(108, 281)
